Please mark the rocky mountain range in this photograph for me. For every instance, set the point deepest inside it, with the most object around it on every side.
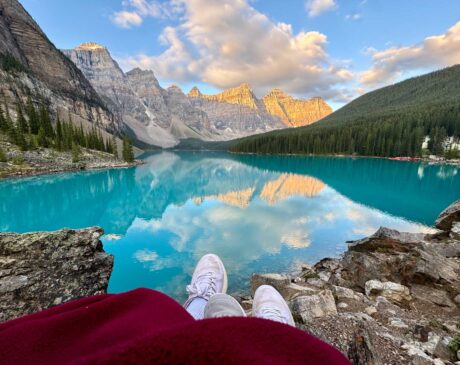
(162, 117)
(90, 88)
(33, 66)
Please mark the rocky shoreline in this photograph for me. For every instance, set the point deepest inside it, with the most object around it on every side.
(393, 298)
(44, 161)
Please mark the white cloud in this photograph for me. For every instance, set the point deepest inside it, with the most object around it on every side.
(317, 7)
(126, 19)
(392, 63)
(136, 10)
(225, 43)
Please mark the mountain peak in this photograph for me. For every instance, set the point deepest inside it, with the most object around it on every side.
(195, 92)
(277, 93)
(90, 46)
(295, 112)
(139, 71)
(175, 88)
(245, 86)
(240, 95)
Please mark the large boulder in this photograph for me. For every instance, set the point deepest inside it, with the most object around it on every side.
(308, 307)
(278, 281)
(432, 295)
(394, 292)
(41, 269)
(448, 216)
(390, 240)
(403, 258)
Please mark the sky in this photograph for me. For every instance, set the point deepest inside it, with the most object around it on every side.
(335, 49)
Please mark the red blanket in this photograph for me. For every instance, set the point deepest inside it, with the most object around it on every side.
(144, 326)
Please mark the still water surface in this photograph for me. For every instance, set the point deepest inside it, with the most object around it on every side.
(259, 213)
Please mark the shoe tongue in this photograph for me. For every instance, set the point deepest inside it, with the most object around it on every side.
(203, 285)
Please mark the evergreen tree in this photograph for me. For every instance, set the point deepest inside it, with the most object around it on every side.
(3, 126)
(32, 116)
(114, 146)
(128, 153)
(45, 121)
(9, 127)
(2, 155)
(20, 140)
(76, 152)
(21, 121)
(59, 135)
(41, 138)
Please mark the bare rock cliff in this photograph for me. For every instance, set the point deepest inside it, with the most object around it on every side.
(295, 112)
(45, 72)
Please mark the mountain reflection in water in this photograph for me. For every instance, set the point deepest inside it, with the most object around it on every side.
(259, 213)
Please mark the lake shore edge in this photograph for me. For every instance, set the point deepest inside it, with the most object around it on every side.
(46, 161)
(432, 161)
(392, 298)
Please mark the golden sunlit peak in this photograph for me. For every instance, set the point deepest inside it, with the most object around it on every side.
(89, 46)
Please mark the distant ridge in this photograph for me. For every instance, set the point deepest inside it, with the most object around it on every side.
(391, 121)
(292, 112)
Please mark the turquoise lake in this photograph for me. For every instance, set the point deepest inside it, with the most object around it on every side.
(258, 213)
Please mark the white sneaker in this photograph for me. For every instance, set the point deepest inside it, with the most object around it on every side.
(269, 304)
(208, 279)
(223, 305)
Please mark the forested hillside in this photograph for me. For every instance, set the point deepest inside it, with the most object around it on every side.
(391, 121)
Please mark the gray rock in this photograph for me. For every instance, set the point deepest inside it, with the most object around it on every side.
(292, 290)
(433, 267)
(448, 216)
(278, 281)
(402, 258)
(370, 311)
(442, 349)
(316, 282)
(455, 231)
(394, 292)
(342, 293)
(308, 272)
(398, 323)
(42, 269)
(432, 295)
(306, 308)
(361, 350)
(449, 247)
(390, 239)
(457, 299)
(246, 304)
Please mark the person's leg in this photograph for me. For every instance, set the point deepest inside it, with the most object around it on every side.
(223, 305)
(209, 278)
(269, 304)
(73, 330)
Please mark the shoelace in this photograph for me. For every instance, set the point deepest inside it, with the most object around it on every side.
(203, 287)
(272, 313)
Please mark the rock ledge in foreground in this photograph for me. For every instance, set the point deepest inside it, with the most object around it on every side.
(393, 298)
(42, 269)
